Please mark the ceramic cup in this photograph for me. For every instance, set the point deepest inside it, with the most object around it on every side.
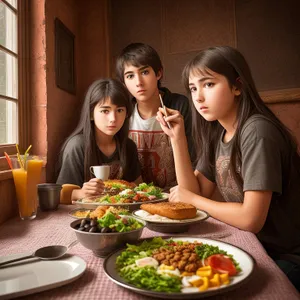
(100, 172)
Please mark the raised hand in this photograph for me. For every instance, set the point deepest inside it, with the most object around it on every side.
(176, 121)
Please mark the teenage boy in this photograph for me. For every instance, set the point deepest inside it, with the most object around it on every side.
(139, 67)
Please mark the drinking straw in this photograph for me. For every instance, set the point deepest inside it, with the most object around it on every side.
(17, 146)
(28, 150)
(19, 157)
(8, 160)
(20, 160)
(26, 154)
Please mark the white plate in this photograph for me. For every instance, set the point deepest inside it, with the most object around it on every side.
(144, 215)
(244, 259)
(34, 276)
(130, 206)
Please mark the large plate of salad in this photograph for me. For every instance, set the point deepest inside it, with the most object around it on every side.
(130, 198)
(179, 268)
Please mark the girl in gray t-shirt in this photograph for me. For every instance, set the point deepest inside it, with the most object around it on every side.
(243, 150)
(101, 137)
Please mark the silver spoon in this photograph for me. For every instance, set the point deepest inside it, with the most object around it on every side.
(45, 253)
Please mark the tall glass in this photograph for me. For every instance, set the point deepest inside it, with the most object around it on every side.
(26, 177)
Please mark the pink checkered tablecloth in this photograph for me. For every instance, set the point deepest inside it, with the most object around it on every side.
(49, 228)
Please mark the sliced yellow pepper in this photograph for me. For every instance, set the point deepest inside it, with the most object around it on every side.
(205, 271)
(205, 284)
(215, 281)
(197, 282)
(224, 278)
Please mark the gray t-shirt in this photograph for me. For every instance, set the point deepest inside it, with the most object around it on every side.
(265, 167)
(72, 169)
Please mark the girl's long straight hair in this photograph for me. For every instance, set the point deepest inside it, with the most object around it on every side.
(230, 63)
(98, 92)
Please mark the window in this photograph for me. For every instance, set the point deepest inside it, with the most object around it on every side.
(8, 72)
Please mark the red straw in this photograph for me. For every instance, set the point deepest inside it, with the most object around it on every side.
(8, 160)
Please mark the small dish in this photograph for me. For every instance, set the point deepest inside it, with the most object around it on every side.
(166, 225)
(79, 213)
(103, 244)
(38, 275)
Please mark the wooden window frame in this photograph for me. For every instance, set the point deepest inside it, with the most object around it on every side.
(23, 100)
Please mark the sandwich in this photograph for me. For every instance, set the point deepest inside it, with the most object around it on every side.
(114, 186)
(177, 211)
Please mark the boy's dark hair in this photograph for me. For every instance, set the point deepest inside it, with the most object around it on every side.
(99, 91)
(138, 54)
(230, 63)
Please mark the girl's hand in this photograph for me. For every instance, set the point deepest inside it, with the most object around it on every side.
(176, 121)
(180, 194)
(92, 188)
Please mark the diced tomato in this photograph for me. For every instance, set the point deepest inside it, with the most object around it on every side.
(136, 198)
(221, 263)
(113, 200)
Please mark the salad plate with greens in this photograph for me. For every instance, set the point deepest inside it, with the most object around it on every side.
(179, 268)
(130, 197)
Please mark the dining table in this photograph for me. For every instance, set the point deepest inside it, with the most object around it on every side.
(53, 228)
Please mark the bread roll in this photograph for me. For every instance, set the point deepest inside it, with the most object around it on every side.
(177, 211)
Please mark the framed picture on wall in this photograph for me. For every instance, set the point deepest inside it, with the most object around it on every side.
(64, 58)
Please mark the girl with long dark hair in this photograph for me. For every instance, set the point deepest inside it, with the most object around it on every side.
(101, 137)
(244, 150)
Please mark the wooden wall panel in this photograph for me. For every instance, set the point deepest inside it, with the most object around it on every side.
(289, 114)
(176, 29)
(135, 21)
(268, 34)
(188, 27)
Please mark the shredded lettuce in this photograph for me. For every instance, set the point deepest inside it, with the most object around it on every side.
(141, 187)
(149, 279)
(107, 220)
(134, 252)
(120, 225)
(149, 189)
(146, 277)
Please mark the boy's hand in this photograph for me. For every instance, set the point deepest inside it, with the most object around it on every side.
(176, 131)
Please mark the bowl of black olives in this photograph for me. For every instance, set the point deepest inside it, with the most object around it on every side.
(102, 240)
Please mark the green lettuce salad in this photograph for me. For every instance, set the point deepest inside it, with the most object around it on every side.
(145, 277)
(118, 223)
(149, 189)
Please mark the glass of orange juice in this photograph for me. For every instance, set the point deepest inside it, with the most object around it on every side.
(27, 175)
